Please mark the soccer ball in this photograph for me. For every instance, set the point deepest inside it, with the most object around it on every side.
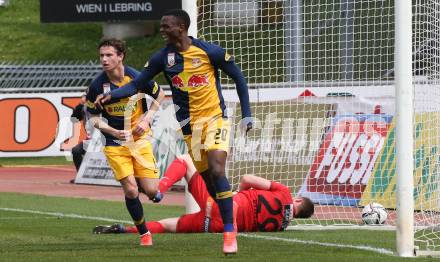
(374, 214)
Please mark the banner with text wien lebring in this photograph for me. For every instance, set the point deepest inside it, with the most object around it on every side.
(381, 187)
(283, 143)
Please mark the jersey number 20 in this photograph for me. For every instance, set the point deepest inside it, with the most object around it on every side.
(221, 134)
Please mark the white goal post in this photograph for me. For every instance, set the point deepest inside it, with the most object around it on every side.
(404, 128)
(346, 98)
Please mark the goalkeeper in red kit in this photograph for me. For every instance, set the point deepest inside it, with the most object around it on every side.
(259, 205)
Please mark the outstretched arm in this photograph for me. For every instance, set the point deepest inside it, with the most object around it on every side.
(140, 83)
(251, 181)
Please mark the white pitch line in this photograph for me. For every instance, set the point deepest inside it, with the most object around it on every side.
(26, 218)
(57, 214)
(310, 242)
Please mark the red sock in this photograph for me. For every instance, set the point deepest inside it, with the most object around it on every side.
(174, 173)
(155, 227)
(131, 229)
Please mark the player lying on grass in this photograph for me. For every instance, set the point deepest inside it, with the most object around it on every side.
(260, 205)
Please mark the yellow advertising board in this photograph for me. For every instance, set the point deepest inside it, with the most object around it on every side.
(381, 186)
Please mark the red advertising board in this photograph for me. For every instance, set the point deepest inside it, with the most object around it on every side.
(346, 157)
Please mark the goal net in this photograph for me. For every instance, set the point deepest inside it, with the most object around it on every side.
(321, 78)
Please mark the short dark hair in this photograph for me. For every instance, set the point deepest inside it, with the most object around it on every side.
(180, 14)
(78, 112)
(306, 209)
(117, 44)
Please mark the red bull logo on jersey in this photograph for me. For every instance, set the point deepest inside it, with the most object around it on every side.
(198, 81)
(177, 81)
(181, 82)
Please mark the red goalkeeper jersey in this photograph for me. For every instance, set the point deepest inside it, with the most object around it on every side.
(264, 210)
(258, 210)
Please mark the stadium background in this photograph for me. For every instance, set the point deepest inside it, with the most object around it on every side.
(28, 41)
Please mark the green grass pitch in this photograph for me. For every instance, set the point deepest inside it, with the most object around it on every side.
(67, 236)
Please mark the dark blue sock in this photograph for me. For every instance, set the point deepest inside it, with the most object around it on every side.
(224, 202)
(134, 207)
